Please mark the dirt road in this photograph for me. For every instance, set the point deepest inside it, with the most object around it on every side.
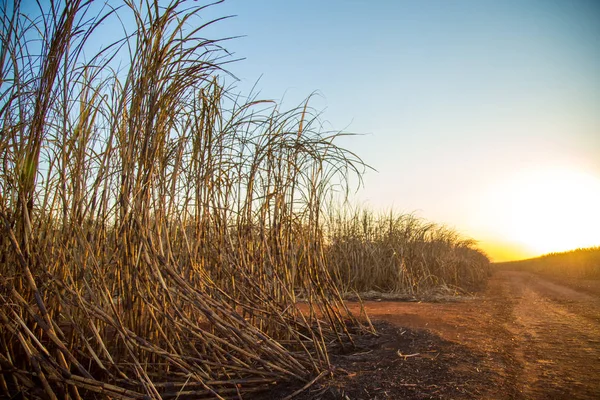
(525, 337)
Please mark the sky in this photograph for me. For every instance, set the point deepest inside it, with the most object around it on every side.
(481, 115)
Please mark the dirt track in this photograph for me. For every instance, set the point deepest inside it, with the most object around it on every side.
(525, 337)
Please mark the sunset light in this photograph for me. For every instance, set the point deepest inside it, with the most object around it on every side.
(549, 210)
(299, 199)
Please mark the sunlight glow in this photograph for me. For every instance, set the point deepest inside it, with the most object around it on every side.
(550, 210)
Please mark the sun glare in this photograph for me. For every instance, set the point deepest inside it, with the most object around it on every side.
(551, 210)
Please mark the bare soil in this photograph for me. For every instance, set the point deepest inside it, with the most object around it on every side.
(523, 337)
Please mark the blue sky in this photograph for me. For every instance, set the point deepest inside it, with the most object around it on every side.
(458, 100)
(482, 115)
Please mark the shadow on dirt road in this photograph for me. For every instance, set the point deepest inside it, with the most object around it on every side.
(528, 337)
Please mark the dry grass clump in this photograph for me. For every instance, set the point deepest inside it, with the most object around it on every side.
(399, 253)
(155, 229)
(578, 263)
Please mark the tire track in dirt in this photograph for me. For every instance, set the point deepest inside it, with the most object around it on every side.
(538, 339)
(558, 338)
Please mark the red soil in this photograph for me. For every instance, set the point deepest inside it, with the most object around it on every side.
(524, 337)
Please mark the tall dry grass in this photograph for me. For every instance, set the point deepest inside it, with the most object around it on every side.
(157, 230)
(578, 263)
(399, 253)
